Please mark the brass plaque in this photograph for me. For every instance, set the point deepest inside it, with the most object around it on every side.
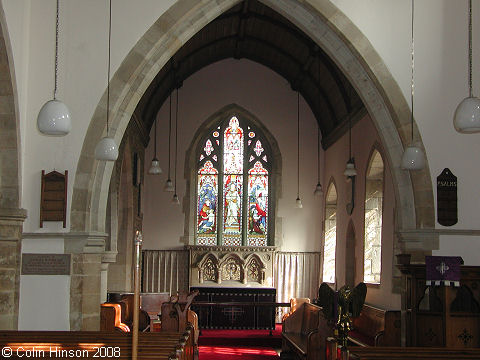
(45, 264)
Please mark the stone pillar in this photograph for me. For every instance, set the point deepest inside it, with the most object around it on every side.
(87, 250)
(108, 258)
(11, 225)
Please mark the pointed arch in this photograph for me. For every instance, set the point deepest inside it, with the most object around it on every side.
(327, 26)
(330, 233)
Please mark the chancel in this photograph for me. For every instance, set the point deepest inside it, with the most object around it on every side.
(282, 126)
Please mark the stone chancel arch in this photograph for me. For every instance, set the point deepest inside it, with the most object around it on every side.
(327, 27)
(318, 21)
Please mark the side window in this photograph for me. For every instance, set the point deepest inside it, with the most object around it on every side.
(330, 242)
(373, 219)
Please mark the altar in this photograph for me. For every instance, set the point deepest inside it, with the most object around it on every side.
(235, 286)
(235, 308)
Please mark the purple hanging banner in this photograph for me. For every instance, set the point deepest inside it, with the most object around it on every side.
(443, 269)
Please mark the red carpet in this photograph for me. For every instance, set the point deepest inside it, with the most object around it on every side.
(239, 344)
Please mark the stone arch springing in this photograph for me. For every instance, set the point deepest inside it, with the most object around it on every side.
(328, 27)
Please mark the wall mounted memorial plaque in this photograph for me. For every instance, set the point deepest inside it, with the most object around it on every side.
(447, 209)
(45, 264)
(53, 203)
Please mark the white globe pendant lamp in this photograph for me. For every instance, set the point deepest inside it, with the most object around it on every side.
(54, 116)
(466, 119)
(413, 157)
(107, 149)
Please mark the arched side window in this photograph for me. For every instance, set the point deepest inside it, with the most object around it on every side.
(233, 185)
(330, 242)
(373, 219)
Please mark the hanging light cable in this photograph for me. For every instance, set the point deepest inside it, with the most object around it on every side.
(175, 199)
(169, 184)
(298, 201)
(107, 148)
(54, 116)
(467, 114)
(413, 157)
(155, 168)
(318, 189)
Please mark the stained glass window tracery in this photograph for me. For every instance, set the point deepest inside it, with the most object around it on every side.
(233, 188)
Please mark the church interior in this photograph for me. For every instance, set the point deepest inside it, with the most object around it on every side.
(260, 147)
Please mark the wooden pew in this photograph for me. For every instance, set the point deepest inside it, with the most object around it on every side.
(412, 353)
(150, 308)
(304, 333)
(111, 318)
(152, 304)
(91, 344)
(376, 327)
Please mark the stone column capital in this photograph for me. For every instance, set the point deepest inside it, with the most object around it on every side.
(13, 215)
(85, 242)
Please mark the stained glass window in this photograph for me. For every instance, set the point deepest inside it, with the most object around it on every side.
(373, 220)
(233, 186)
(207, 205)
(330, 242)
(257, 205)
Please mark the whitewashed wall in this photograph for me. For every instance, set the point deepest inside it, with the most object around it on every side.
(44, 299)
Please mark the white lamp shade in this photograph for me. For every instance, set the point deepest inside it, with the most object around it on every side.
(54, 118)
(155, 168)
(298, 203)
(318, 190)
(350, 169)
(467, 116)
(168, 186)
(413, 158)
(106, 149)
